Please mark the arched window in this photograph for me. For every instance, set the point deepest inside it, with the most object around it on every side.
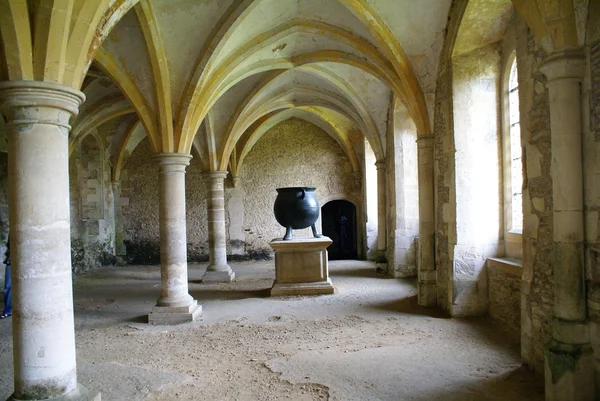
(515, 169)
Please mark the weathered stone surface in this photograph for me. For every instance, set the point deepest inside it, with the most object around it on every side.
(301, 267)
(504, 285)
(44, 348)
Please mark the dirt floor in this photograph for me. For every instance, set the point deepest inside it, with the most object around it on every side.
(368, 341)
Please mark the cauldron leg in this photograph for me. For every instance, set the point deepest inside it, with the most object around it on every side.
(316, 233)
(288, 233)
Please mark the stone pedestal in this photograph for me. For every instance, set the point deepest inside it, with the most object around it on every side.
(37, 128)
(175, 305)
(301, 267)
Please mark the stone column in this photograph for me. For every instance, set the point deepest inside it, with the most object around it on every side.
(427, 284)
(38, 116)
(175, 304)
(218, 270)
(568, 360)
(381, 211)
(120, 250)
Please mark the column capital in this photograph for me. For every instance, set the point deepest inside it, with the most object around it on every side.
(28, 102)
(172, 162)
(172, 158)
(380, 164)
(215, 175)
(425, 141)
(116, 185)
(569, 64)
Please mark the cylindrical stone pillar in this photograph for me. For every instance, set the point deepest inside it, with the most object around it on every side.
(175, 304)
(38, 116)
(381, 211)
(173, 235)
(572, 379)
(427, 282)
(218, 270)
(565, 73)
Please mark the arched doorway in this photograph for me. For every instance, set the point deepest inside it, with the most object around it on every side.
(339, 224)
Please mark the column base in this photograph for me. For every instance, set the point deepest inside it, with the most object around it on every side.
(569, 372)
(170, 315)
(80, 393)
(315, 288)
(218, 276)
(427, 288)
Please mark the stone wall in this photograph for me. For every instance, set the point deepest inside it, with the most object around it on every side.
(475, 86)
(592, 179)
(505, 298)
(293, 153)
(91, 205)
(370, 183)
(537, 287)
(444, 180)
(537, 281)
(139, 209)
(402, 194)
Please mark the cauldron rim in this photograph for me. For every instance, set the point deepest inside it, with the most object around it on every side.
(295, 189)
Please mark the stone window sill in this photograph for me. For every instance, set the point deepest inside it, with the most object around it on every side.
(506, 265)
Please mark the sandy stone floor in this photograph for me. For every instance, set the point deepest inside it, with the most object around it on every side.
(368, 341)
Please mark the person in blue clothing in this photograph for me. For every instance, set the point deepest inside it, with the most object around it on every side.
(7, 286)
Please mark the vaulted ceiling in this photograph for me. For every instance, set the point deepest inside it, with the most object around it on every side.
(214, 75)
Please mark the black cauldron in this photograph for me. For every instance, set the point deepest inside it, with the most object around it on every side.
(297, 208)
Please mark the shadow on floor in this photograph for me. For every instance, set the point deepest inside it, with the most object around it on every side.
(486, 386)
(410, 306)
(229, 294)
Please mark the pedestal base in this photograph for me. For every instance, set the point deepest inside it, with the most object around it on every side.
(301, 267)
(80, 393)
(224, 276)
(169, 315)
(315, 288)
(569, 372)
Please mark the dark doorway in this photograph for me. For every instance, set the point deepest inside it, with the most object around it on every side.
(339, 224)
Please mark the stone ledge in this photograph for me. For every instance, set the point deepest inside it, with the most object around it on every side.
(510, 266)
(300, 244)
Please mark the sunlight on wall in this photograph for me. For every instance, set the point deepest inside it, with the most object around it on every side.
(371, 185)
(478, 209)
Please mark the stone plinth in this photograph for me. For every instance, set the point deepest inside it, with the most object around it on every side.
(168, 315)
(301, 267)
